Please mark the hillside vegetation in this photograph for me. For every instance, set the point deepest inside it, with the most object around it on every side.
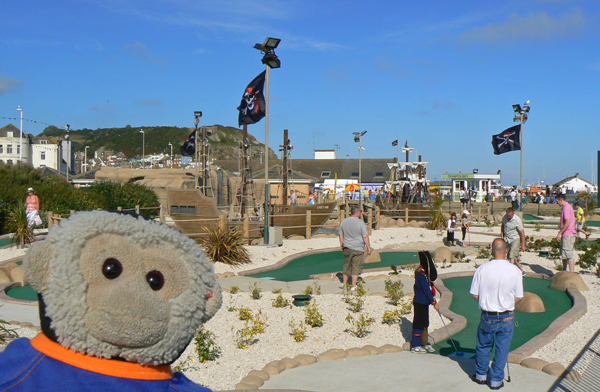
(223, 143)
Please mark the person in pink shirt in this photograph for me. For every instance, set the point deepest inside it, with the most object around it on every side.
(566, 235)
(32, 205)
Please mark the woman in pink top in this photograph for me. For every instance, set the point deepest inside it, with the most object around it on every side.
(32, 204)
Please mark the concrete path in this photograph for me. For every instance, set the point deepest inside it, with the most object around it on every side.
(400, 371)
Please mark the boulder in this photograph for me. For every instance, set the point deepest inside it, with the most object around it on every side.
(290, 363)
(10, 266)
(252, 380)
(384, 221)
(295, 237)
(305, 359)
(4, 278)
(334, 353)
(372, 349)
(565, 280)
(554, 369)
(573, 375)
(442, 253)
(278, 364)
(260, 374)
(357, 352)
(257, 241)
(531, 303)
(413, 223)
(320, 235)
(390, 348)
(228, 274)
(271, 369)
(242, 387)
(534, 363)
(18, 275)
(374, 257)
(401, 223)
(391, 246)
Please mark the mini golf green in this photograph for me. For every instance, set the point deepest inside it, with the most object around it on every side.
(527, 325)
(23, 292)
(529, 217)
(592, 223)
(328, 262)
(5, 241)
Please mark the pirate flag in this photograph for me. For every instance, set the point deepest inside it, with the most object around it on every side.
(395, 143)
(252, 108)
(509, 140)
(189, 147)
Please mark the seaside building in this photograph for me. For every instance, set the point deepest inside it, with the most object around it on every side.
(11, 143)
(480, 185)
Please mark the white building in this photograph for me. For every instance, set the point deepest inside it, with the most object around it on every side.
(10, 145)
(325, 154)
(576, 184)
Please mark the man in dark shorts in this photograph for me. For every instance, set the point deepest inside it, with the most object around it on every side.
(353, 240)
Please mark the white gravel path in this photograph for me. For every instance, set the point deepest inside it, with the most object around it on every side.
(277, 343)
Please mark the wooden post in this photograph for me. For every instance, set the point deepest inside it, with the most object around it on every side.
(50, 220)
(406, 215)
(377, 217)
(342, 217)
(137, 209)
(222, 222)
(370, 222)
(488, 212)
(247, 227)
(308, 224)
(119, 208)
(71, 212)
(162, 213)
(479, 213)
(347, 208)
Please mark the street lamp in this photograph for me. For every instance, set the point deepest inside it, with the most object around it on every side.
(21, 135)
(68, 127)
(85, 157)
(270, 60)
(143, 147)
(171, 154)
(521, 117)
(358, 139)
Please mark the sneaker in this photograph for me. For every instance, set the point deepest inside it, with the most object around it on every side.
(587, 235)
(429, 348)
(353, 288)
(524, 273)
(418, 350)
(476, 380)
(342, 286)
(497, 386)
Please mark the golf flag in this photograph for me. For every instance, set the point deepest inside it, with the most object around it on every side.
(395, 143)
(509, 140)
(252, 107)
(189, 147)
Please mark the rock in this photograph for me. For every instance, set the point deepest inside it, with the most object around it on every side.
(18, 275)
(564, 280)
(554, 369)
(271, 369)
(290, 363)
(10, 266)
(390, 348)
(384, 221)
(368, 278)
(334, 353)
(260, 374)
(374, 257)
(414, 223)
(252, 380)
(357, 352)
(372, 349)
(391, 246)
(534, 363)
(531, 303)
(305, 359)
(423, 224)
(219, 275)
(573, 375)
(401, 223)
(320, 235)
(4, 278)
(257, 241)
(442, 253)
(242, 387)
(228, 274)
(296, 237)
(278, 364)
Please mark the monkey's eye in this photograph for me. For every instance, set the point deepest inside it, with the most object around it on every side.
(155, 279)
(112, 268)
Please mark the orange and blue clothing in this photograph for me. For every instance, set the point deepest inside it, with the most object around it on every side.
(41, 364)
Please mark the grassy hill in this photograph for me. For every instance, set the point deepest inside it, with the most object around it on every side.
(223, 142)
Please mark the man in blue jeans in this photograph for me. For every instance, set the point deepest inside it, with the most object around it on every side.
(498, 286)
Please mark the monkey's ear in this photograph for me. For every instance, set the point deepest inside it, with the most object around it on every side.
(36, 264)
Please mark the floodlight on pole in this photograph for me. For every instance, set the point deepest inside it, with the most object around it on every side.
(21, 136)
(521, 117)
(358, 139)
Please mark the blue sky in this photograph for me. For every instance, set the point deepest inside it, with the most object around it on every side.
(441, 74)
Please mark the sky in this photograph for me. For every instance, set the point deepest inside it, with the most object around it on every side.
(442, 75)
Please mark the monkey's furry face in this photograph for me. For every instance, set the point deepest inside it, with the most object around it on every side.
(116, 286)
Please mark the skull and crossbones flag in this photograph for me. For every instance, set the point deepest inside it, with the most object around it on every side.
(252, 108)
(189, 147)
(509, 140)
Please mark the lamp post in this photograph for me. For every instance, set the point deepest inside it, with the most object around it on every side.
(85, 157)
(171, 154)
(68, 127)
(358, 138)
(59, 155)
(143, 147)
(270, 60)
(21, 135)
(521, 116)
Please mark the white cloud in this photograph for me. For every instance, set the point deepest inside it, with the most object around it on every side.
(9, 84)
(538, 26)
(140, 51)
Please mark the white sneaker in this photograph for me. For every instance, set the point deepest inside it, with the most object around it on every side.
(342, 286)
(353, 288)
(429, 348)
(418, 350)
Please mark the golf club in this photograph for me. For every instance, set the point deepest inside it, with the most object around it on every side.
(458, 353)
(507, 371)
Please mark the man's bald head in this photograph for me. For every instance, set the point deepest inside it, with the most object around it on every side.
(499, 248)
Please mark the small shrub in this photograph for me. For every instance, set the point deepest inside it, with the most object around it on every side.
(244, 313)
(206, 347)
(280, 302)
(313, 317)
(255, 291)
(394, 291)
(460, 257)
(234, 290)
(392, 317)
(231, 309)
(308, 290)
(6, 333)
(537, 227)
(483, 253)
(225, 246)
(359, 327)
(298, 331)
(17, 223)
(246, 335)
(276, 291)
(312, 289)
(394, 270)
(355, 298)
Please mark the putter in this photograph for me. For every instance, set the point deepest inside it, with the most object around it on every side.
(507, 371)
(458, 353)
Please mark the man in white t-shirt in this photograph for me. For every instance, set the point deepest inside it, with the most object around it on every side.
(498, 286)
(512, 231)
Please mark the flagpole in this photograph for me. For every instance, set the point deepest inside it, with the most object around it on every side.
(521, 177)
(266, 226)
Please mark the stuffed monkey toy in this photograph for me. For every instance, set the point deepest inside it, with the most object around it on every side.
(120, 298)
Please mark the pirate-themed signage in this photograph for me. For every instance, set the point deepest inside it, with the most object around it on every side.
(252, 108)
(509, 140)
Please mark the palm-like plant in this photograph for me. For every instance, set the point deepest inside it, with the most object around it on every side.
(225, 246)
(437, 220)
(23, 234)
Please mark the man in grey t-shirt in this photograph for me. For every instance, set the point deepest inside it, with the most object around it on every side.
(353, 239)
(514, 234)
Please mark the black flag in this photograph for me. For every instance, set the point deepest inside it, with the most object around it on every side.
(395, 143)
(189, 147)
(509, 140)
(252, 108)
